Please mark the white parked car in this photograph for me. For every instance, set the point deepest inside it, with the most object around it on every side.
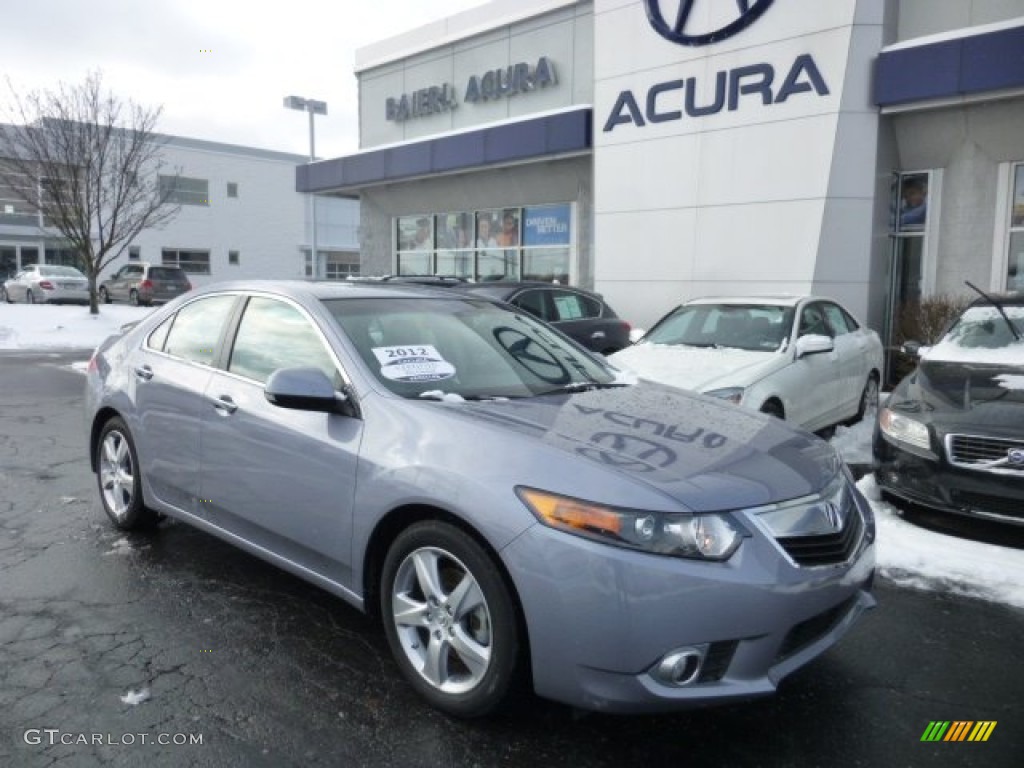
(41, 283)
(802, 358)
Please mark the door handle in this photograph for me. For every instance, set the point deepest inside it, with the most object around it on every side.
(144, 372)
(224, 404)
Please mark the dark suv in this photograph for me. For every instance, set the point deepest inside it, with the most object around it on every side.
(141, 283)
(578, 313)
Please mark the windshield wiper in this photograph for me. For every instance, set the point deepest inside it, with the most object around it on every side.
(998, 306)
(582, 386)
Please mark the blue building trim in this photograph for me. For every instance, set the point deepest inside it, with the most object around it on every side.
(967, 66)
(531, 139)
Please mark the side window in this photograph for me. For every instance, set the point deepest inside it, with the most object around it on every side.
(159, 336)
(197, 327)
(275, 335)
(812, 321)
(837, 319)
(534, 302)
(573, 306)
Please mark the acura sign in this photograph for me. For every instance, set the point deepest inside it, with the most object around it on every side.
(670, 19)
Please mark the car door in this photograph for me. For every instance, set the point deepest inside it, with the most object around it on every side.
(579, 316)
(169, 374)
(123, 281)
(814, 383)
(279, 478)
(850, 349)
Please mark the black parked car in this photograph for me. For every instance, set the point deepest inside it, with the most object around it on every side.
(578, 313)
(951, 435)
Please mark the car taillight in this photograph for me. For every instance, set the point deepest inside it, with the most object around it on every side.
(628, 326)
(146, 285)
(46, 285)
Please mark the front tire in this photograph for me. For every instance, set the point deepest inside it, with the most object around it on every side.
(450, 619)
(120, 479)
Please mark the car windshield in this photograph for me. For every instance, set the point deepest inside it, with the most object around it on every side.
(760, 327)
(982, 334)
(55, 271)
(463, 348)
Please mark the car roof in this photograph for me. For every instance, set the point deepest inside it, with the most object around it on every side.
(777, 299)
(506, 287)
(331, 289)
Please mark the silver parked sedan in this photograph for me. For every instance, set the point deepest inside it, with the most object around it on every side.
(41, 283)
(509, 505)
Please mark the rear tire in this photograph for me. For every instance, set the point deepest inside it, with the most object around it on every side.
(4, 295)
(450, 619)
(868, 398)
(30, 297)
(105, 296)
(120, 479)
(133, 298)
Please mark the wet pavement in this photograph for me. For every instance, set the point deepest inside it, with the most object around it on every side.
(110, 644)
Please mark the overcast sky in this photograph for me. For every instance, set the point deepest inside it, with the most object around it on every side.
(152, 51)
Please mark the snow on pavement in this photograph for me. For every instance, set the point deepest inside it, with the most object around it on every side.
(65, 326)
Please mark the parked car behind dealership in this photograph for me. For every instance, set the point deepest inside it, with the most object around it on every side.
(498, 495)
(47, 283)
(802, 358)
(951, 434)
(141, 283)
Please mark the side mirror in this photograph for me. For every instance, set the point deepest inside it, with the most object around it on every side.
(307, 389)
(813, 344)
(912, 348)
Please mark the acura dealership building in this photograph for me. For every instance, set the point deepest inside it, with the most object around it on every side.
(657, 150)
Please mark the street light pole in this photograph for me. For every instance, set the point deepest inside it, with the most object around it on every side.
(313, 107)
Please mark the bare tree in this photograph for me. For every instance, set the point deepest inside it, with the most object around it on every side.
(90, 165)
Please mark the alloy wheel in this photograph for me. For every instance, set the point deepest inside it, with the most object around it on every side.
(442, 620)
(117, 474)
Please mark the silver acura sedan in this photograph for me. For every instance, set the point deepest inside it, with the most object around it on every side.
(511, 507)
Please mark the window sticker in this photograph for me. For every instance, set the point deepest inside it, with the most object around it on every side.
(414, 362)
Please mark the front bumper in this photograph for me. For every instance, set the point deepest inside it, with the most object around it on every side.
(601, 618)
(934, 483)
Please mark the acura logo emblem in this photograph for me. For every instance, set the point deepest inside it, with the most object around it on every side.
(1015, 456)
(674, 27)
(833, 515)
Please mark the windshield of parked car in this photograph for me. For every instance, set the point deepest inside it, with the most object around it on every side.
(463, 348)
(982, 334)
(55, 271)
(758, 327)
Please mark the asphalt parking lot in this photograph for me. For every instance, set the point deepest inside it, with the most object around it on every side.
(130, 640)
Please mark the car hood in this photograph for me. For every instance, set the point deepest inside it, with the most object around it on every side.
(703, 453)
(960, 394)
(696, 368)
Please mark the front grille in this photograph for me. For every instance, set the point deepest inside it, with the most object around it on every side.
(978, 452)
(717, 660)
(806, 632)
(982, 502)
(829, 548)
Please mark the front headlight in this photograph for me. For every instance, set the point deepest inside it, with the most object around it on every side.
(732, 394)
(702, 537)
(903, 429)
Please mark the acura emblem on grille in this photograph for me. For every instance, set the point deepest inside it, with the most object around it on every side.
(833, 515)
(1015, 456)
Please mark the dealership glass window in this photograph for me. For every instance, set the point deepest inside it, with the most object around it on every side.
(1015, 255)
(134, 253)
(194, 262)
(233, 258)
(507, 243)
(232, 189)
(29, 256)
(67, 257)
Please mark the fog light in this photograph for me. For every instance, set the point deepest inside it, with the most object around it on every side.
(679, 667)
